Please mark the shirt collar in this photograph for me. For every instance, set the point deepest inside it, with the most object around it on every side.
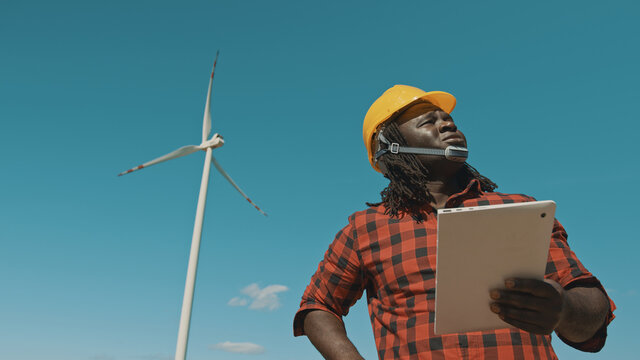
(472, 190)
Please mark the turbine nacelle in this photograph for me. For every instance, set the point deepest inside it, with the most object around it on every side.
(216, 141)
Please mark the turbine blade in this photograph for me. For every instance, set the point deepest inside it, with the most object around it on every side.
(226, 176)
(185, 150)
(206, 122)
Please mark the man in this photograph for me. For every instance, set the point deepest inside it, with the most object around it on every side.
(389, 250)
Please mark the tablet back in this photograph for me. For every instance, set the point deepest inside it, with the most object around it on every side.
(480, 247)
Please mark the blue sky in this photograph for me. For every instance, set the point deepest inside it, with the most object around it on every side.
(94, 265)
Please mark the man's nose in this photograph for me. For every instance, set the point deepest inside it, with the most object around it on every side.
(447, 125)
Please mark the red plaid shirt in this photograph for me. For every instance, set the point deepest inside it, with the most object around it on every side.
(394, 260)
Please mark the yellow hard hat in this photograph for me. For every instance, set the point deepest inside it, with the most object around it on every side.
(393, 102)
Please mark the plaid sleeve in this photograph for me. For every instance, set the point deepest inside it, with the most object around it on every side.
(337, 283)
(564, 267)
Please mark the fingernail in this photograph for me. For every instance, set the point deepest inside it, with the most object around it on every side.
(495, 295)
(510, 283)
(495, 308)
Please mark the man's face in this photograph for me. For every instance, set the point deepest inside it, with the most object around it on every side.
(424, 125)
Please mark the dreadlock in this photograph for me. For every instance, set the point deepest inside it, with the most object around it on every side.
(406, 192)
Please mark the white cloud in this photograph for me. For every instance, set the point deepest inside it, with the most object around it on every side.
(266, 298)
(242, 347)
(238, 301)
(252, 290)
(261, 299)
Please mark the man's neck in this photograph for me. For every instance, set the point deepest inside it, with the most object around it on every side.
(443, 181)
(441, 192)
(441, 187)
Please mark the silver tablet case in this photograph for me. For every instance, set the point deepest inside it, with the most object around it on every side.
(478, 248)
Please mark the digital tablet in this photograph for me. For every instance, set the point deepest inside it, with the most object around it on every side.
(478, 248)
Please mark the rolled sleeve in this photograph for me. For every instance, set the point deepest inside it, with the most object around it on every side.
(564, 267)
(337, 283)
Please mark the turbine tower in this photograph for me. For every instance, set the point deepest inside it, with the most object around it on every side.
(207, 144)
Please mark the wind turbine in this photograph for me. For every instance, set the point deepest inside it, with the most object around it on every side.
(208, 144)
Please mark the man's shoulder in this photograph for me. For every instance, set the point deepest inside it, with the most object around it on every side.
(372, 213)
(373, 219)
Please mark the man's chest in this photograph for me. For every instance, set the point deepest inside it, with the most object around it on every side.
(400, 260)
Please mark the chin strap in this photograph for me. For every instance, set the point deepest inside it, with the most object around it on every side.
(453, 153)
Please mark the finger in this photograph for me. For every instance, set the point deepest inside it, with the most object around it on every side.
(524, 315)
(532, 286)
(520, 300)
(532, 328)
(533, 318)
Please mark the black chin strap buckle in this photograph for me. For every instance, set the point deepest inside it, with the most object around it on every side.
(390, 147)
(393, 148)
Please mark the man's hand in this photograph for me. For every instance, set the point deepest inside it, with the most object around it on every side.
(532, 305)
